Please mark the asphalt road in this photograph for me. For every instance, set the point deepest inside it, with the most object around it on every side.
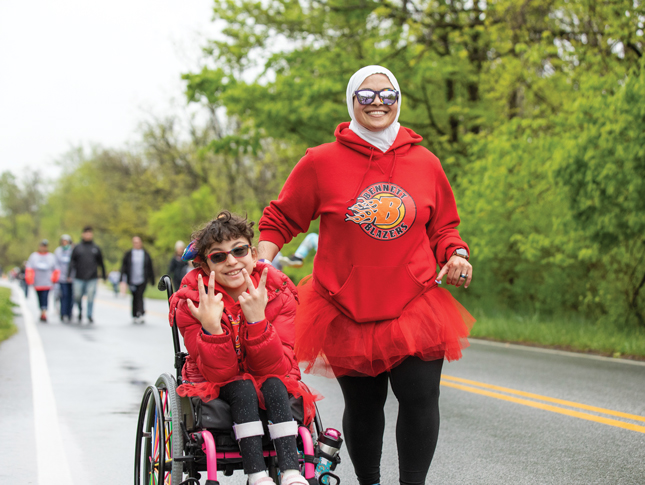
(510, 415)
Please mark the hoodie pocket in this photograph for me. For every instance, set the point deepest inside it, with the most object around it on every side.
(373, 293)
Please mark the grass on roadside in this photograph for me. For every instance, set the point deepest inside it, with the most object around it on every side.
(574, 334)
(151, 292)
(154, 293)
(7, 328)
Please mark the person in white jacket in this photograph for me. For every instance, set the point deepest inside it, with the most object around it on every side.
(42, 272)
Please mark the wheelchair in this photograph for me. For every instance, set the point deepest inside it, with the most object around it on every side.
(179, 438)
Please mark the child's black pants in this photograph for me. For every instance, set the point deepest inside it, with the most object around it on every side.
(242, 398)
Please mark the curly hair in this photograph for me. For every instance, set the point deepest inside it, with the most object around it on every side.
(225, 227)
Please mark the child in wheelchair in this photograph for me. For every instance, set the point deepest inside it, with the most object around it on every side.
(236, 316)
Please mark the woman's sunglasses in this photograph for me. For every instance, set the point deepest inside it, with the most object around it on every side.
(220, 256)
(367, 96)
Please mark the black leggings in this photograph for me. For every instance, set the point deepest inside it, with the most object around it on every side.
(416, 386)
(243, 399)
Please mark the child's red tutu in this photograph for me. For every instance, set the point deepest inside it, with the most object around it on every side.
(432, 326)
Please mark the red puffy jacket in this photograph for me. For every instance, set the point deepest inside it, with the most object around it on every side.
(266, 347)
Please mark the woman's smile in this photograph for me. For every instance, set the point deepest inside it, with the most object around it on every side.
(375, 116)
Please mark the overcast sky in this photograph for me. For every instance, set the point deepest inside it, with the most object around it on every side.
(82, 71)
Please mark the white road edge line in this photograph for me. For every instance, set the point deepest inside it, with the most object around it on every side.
(53, 467)
(505, 345)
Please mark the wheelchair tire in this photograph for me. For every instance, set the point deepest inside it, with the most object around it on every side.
(159, 436)
(167, 387)
(149, 454)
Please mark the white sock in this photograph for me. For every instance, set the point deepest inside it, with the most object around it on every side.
(286, 473)
(254, 477)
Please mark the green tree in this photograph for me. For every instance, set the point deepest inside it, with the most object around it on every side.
(465, 67)
(493, 87)
(602, 162)
(21, 204)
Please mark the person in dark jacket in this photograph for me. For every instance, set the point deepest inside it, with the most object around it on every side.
(136, 271)
(178, 268)
(83, 267)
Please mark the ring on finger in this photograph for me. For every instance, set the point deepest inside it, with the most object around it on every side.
(463, 276)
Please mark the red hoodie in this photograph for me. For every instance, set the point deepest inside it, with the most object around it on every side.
(264, 348)
(387, 219)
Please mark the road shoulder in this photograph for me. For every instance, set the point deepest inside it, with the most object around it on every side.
(18, 443)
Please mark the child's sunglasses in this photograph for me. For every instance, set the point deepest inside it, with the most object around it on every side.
(367, 96)
(220, 256)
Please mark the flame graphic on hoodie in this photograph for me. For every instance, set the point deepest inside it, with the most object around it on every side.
(384, 211)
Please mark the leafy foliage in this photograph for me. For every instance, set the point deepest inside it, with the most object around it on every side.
(498, 91)
(535, 109)
(7, 327)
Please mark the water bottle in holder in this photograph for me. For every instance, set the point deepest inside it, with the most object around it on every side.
(329, 443)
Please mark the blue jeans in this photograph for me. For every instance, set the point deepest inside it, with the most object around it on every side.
(43, 295)
(65, 300)
(85, 287)
(310, 243)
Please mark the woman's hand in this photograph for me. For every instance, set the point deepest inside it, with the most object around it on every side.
(255, 301)
(453, 269)
(209, 312)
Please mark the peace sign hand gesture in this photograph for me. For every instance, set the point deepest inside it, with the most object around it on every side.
(254, 300)
(209, 312)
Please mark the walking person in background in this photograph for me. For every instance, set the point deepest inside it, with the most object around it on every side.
(114, 277)
(178, 268)
(136, 271)
(63, 255)
(42, 272)
(22, 278)
(309, 244)
(83, 268)
(372, 313)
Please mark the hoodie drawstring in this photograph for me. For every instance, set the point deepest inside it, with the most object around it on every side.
(358, 188)
(393, 165)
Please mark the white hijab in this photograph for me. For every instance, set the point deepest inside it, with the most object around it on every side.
(383, 139)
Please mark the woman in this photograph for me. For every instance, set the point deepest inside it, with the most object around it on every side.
(42, 272)
(372, 311)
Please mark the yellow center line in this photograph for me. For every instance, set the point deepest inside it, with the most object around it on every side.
(548, 407)
(572, 404)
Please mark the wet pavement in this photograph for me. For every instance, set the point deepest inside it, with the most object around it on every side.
(98, 373)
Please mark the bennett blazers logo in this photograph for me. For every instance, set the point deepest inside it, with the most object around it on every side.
(384, 211)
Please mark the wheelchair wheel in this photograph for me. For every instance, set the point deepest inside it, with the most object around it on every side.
(148, 459)
(159, 437)
(167, 387)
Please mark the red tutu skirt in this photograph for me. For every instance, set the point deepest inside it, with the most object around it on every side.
(432, 326)
(207, 391)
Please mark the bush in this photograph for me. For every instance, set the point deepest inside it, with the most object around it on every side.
(7, 328)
